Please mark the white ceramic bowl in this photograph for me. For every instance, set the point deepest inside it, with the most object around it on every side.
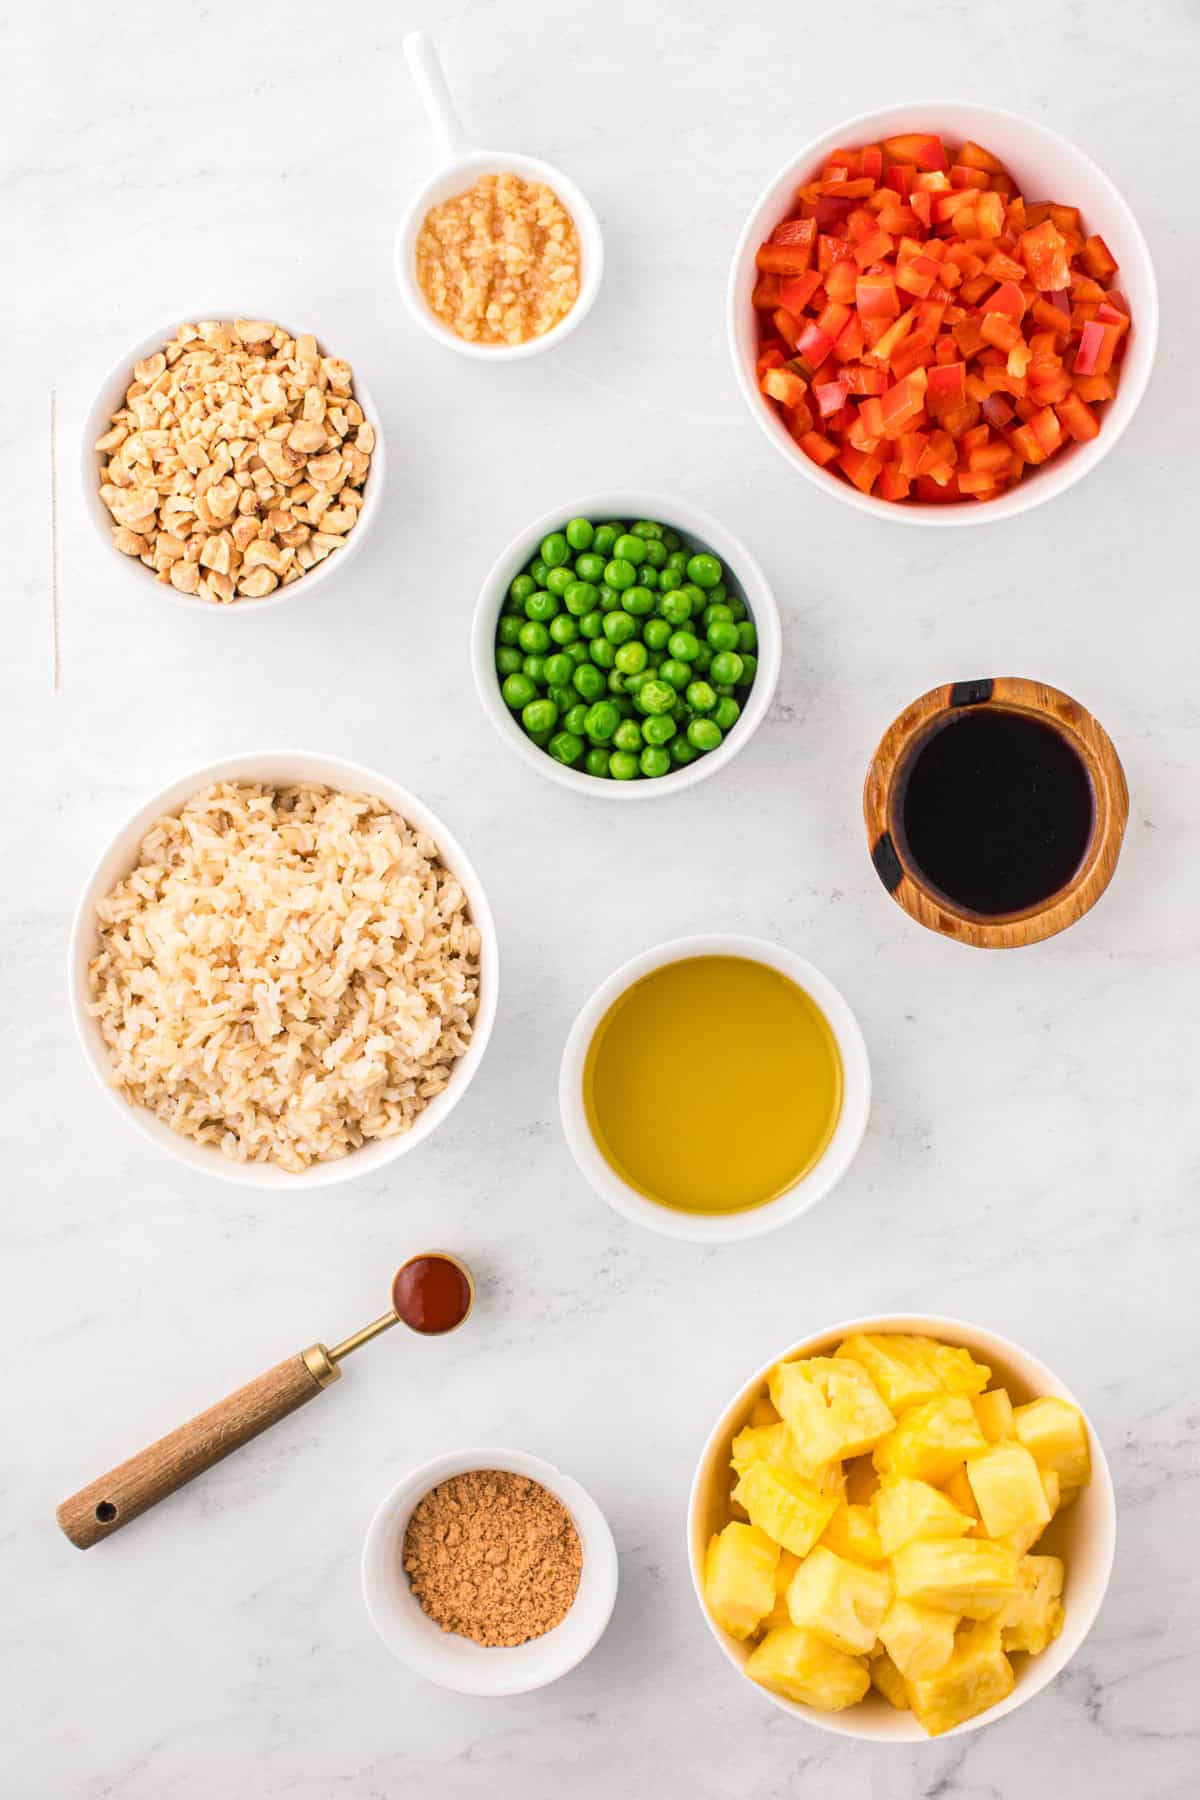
(1084, 1536)
(120, 857)
(1046, 166)
(732, 1227)
(111, 395)
(743, 577)
(456, 179)
(455, 1662)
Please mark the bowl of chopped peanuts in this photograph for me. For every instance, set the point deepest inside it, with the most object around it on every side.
(228, 460)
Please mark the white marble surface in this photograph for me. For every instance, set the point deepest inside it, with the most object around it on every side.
(1031, 1161)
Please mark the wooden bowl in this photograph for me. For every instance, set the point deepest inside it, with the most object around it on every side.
(883, 794)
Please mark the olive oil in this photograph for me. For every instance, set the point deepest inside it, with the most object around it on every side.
(713, 1084)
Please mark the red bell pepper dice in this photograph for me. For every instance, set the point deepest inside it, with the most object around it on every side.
(782, 385)
(1044, 253)
(946, 388)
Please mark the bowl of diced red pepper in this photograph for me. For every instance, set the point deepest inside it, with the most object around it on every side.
(922, 333)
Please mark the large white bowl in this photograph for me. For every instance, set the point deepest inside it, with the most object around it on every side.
(120, 857)
(743, 577)
(111, 396)
(1047, 167)
(731, 1227)
(1084, 1536)
(456, 1662)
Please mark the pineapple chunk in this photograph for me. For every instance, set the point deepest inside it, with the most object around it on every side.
(779, 1614)
(931, 1440)
(918, 1639)
(762, 1412)
(739, 1578)
(1054, 1433)
(851, 1532)
(1033, 1617)
(833, 1408)
(887, 1678)
(908, 1370)
(994, 1410)
(839, 1600)
(787, 1508)
(906, 1509)
(977, 1675)
(862, 1480)
(804, 1667)
(1008, 1489)
(974, 1576)
(762, 1443)
(958, 1489)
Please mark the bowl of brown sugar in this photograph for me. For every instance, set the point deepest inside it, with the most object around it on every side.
(489, 1572)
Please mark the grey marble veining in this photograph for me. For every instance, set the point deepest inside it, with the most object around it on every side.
(1031, 1161)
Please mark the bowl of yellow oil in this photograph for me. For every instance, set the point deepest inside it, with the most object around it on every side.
(714, 1088)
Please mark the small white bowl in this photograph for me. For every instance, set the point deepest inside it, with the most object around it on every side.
(120, 857)
(111, 397)
(743, 577)
(461, 165)
(456, 1662)
(755, 1221)
(1084, 1536)
(1046, 166)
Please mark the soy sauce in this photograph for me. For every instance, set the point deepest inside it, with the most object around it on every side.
(432, 1294)
(997, 810)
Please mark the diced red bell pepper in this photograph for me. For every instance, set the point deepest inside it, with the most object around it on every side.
(1098, 259)
(946, 388)
(782, 385)
(903, 403)
(1044, 253)
(1096, 345)
(813, 346)
(893, 484)
(819, 448)
(830, 396)
(797, 232)
(1077, 418)
(863, 469)
(876, 297)
(974, 156)
(795, 291)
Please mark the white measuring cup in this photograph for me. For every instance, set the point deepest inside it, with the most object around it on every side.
(459, 166)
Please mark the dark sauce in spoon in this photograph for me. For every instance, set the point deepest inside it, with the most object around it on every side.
(996, 810)
(431, 1294)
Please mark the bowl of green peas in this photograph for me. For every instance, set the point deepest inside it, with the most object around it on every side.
(626, 645)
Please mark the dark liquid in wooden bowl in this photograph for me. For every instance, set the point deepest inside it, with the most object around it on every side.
(997, 810)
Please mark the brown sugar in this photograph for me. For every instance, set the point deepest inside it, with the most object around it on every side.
(493, 1556)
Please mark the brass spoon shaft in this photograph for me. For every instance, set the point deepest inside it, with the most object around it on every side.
(384, 1323)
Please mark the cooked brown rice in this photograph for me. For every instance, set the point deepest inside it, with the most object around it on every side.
(287, 973)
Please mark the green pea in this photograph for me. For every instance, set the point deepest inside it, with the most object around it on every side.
(563, 629)
(619, 627)
(676, 606)
(635, 683)
(749, 669)
(541, 607)
(579, 533)
(726, 668)
(589, 566)
(562, 694)
(620, 574)
(657, 696)
(701, 697)
(703, 569)
(566, 747)
(747, 636)
(574, 717)
(521, 586)
(622, 766)
(591, 625)
(596, 762)
(602, 721)
(723, 690)
(540, 738)
(610, 600)
(578, 652)
(654, 761)
(602, 653)
(555, 550)
(518, 691)
(702, 661)
(535, 667)
(559, 580)
(659, 728)
(588, 681)
(533, 638)
(657, 633)
(737, 607)
(671, 538)
(654, 552)
(722, 634)
(538, 571)
(648, 576)
(580, 597)
(677, 673)
(539, 715)
(682, 752)
(558, 669)
(715, 612)
(684, 645)
(704, 734)
(646, 528)
(604, 538)
(696, 595)
(726, 713)
(508, 631)
(508, 660)
(638, 600)
(616, 682)
(719, 593)
(628, 736)
(628, 548)
(677, 559)
(631, 657)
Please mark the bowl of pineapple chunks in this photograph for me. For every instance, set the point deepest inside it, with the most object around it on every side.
(902, 1528)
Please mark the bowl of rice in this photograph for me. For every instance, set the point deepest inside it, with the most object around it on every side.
(284, 970)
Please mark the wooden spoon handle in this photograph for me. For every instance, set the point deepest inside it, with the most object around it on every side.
(98, 1510)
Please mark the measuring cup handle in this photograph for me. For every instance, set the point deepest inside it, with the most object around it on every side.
(98, 1510)
(450, 140)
